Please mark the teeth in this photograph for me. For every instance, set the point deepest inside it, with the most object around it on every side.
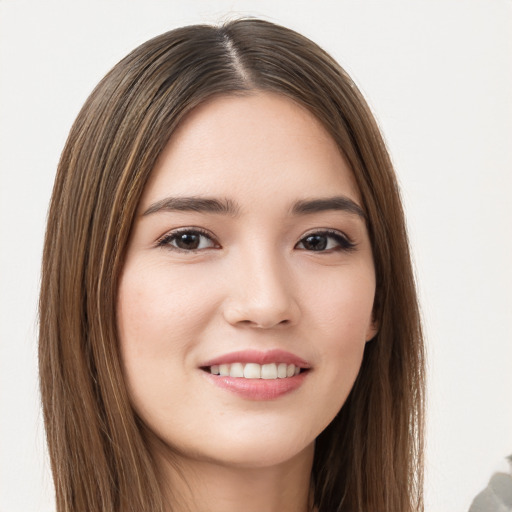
(237, 370)
(256, 371)
(281, 370)
(269, 371)
(252, 371)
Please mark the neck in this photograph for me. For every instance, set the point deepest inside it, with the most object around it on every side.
(206, 486)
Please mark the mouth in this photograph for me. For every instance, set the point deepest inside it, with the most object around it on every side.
(256, 375)
(269, 371)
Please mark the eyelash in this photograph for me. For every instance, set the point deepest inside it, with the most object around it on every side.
(166, 240)
(343, 242)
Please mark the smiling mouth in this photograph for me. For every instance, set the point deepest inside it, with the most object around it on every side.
(255, 371)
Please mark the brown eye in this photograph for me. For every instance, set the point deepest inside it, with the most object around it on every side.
(315, 243)
(189, 240)
(325, 241)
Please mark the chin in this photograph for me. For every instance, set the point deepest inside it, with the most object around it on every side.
(245, 449)
(260, 455)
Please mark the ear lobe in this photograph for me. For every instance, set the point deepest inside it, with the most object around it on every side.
(372, 331)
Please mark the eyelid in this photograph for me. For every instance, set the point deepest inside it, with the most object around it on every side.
(164, 240)
(347, 244)
(326, 231)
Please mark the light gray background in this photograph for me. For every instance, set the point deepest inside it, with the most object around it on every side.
(438, 74)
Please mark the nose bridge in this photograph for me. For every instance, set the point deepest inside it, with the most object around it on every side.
(262, 293)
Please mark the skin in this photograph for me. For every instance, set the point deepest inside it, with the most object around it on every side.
(252, 283)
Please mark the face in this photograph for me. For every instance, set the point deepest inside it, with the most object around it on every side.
(246, 297)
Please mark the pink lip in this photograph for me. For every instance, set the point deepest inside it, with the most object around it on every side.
(255, 356)
(258, 389)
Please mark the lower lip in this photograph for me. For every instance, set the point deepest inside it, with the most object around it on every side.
(258, 389)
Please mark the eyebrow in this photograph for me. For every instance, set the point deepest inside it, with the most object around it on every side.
(194, 204)
(229, 207)
(340, 203)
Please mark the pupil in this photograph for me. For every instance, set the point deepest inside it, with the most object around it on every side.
(188, 241)
(315, 242)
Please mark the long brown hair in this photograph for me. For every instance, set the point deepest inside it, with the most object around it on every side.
(369, 459)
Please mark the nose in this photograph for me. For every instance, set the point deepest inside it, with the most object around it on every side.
(261, 294)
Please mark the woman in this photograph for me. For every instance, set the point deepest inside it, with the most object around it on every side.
(228, 312)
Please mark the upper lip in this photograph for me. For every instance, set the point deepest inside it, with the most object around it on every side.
(259, 357)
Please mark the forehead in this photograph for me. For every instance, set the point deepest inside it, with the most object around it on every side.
(250, 146)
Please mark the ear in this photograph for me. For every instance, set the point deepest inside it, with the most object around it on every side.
(372, 330)
(374, 325)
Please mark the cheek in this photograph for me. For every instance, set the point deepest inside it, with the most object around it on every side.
(159, 309)
(341, 317)
(159, 317)
(342, 307)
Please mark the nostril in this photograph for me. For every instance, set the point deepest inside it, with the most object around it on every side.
(253, 311)
(262, 324)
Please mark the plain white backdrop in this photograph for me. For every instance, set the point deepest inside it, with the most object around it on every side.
(438, 75)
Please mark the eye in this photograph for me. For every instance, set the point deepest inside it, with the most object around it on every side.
(323, 241)
(187, 240)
